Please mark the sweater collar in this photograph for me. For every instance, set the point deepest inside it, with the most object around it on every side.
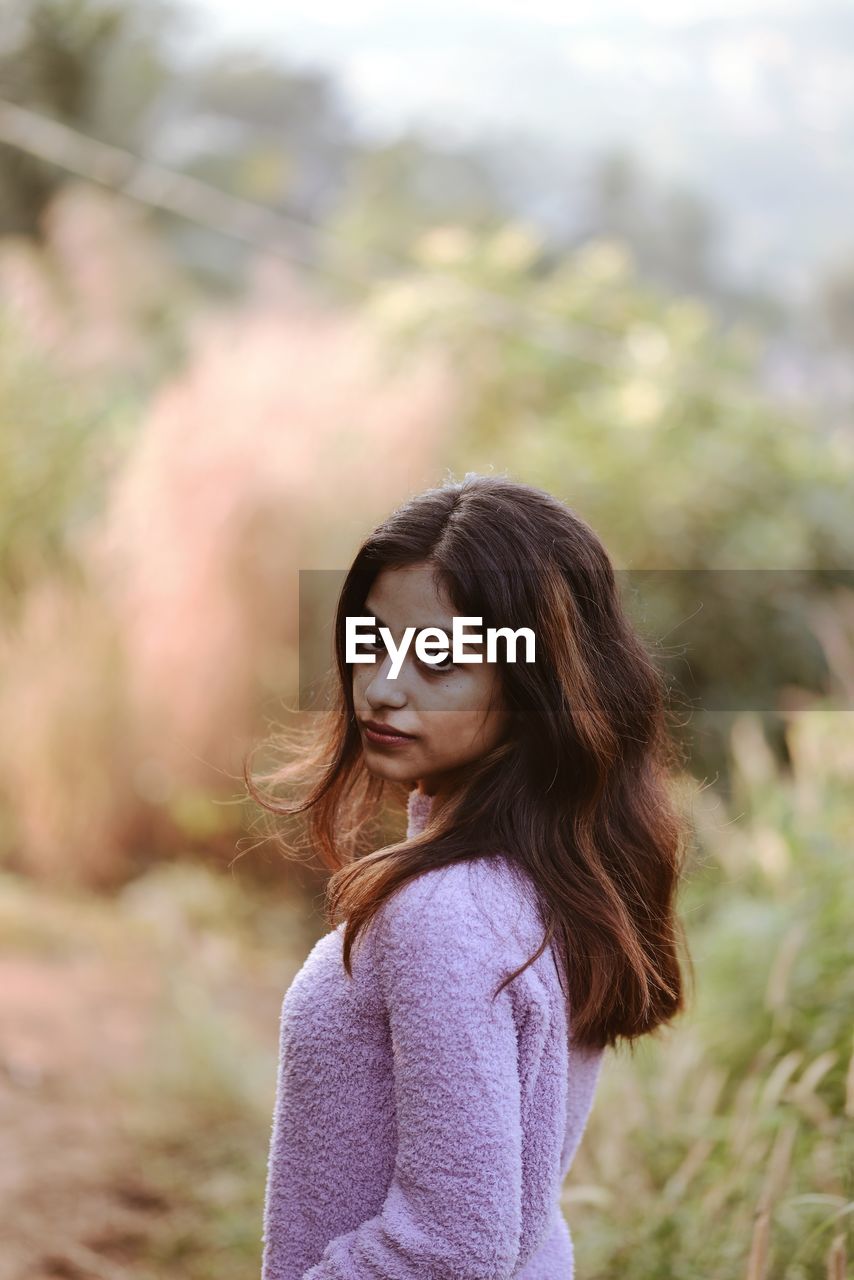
(418, 809)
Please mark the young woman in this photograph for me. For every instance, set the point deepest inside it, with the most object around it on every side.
(440, 1047)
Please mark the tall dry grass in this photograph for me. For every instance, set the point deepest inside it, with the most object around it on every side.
(131, 686)
(725, 1150)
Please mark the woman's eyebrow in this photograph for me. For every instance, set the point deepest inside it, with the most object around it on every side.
(380, 623)
(369, 611)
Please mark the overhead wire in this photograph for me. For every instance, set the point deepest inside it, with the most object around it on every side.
(271, 231)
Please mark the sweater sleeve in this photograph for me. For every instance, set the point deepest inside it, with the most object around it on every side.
(453, 1209)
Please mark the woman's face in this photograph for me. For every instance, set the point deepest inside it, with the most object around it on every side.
(454, 713)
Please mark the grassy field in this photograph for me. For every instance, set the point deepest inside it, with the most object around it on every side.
(139, 1049)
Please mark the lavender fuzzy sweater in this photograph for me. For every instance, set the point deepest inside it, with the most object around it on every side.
(421, 1132)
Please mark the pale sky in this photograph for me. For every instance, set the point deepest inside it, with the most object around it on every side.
(748, 102)
(480, 63)
(473, 66)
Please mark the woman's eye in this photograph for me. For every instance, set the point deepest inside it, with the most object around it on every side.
(378, 646)
(442, 668)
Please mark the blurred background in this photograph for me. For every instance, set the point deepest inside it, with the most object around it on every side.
(262, 277)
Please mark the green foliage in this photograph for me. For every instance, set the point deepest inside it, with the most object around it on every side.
(746, 1103)
(56, 449)
(631, 404)
(647, 416)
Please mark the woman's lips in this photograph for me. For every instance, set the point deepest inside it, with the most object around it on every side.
(387, 739)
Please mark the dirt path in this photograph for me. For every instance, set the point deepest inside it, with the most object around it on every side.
(72, 1209)
(81, 991)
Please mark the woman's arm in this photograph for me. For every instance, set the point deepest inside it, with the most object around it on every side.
(453, 1208)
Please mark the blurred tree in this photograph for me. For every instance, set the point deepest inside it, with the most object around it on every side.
(398, 189)
(686, 241)
(282, 134)
(835, 304)
(617, 194)
(647, 417)
(271, 134)
(97, 65)
(673, 232)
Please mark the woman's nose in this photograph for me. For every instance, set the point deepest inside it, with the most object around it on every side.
(382, 689)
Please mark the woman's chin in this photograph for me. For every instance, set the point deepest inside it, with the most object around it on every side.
(394, 770)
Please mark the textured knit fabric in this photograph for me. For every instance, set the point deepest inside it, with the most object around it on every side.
(420, 1131)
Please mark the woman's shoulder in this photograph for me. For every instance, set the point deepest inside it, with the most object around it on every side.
(480, 903)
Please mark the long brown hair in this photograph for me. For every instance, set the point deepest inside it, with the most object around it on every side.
(578, 793)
